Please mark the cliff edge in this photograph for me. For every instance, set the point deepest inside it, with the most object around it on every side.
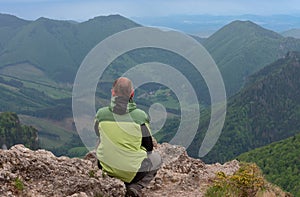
(24, 172)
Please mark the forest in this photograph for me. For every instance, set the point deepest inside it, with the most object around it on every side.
(12, 132)
(280, 162)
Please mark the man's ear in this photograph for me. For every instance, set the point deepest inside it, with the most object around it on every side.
(113, 92)
(132, 93)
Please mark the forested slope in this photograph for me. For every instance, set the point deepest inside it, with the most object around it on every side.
(280, 162)
(12, 132)
(265, 111)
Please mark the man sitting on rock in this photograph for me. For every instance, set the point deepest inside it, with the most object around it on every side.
(125, 149)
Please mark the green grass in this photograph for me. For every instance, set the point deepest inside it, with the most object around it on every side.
(33, 77)
(78, 152)
(57, 136)
(8, 87)
(19, 184)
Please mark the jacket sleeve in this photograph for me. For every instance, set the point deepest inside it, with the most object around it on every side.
(146, 138)
(96, 127)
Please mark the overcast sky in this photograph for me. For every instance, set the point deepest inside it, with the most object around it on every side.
(81, 10)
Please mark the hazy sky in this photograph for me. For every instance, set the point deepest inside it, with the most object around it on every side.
(81, 10)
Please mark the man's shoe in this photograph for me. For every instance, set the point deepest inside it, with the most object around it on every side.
(133, 192)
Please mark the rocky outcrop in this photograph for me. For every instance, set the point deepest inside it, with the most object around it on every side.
(182, 175)
(24, 172)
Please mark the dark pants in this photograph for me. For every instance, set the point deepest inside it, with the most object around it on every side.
(147, 171)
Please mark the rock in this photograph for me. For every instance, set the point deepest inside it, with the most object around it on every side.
(182, 175)
(43, 174)
(24, 172)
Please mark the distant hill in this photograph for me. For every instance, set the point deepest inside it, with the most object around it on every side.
(279, 162)
(265, 111)
(58, 47)
(9, 26)
(38, 63)
(39, 59)
(11, 21)
(204, 25)
(55, 50)
(295, 33)
(45, 54)
(242, 48)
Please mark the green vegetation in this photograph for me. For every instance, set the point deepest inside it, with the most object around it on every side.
(12, 132)
(238, 43)
(168, 131)
(241, 48)
(279, 162)
(91, 173)
(71, 148)
(267, 110)
(77, 152)
(32, 77)
(247, 181)
(24, 96)
(10, 25)
(50, 135)
(37, 80)
(56, 138)
(67, 43)
(19, 184)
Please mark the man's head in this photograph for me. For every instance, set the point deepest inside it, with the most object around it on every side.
(122, 87)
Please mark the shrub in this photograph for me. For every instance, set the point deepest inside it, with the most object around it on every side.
(247, 181)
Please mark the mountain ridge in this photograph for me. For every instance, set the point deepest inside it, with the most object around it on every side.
(265, 111)
(246, 47)
(11, 20)
(65, 41)
(9, 26)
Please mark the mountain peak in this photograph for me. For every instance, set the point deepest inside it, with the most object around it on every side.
(247, 28)
(108, 18)
(12, 21)
(114, 16)
(242, 22)
(245, 47)
(246, 25)
(47, 20)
